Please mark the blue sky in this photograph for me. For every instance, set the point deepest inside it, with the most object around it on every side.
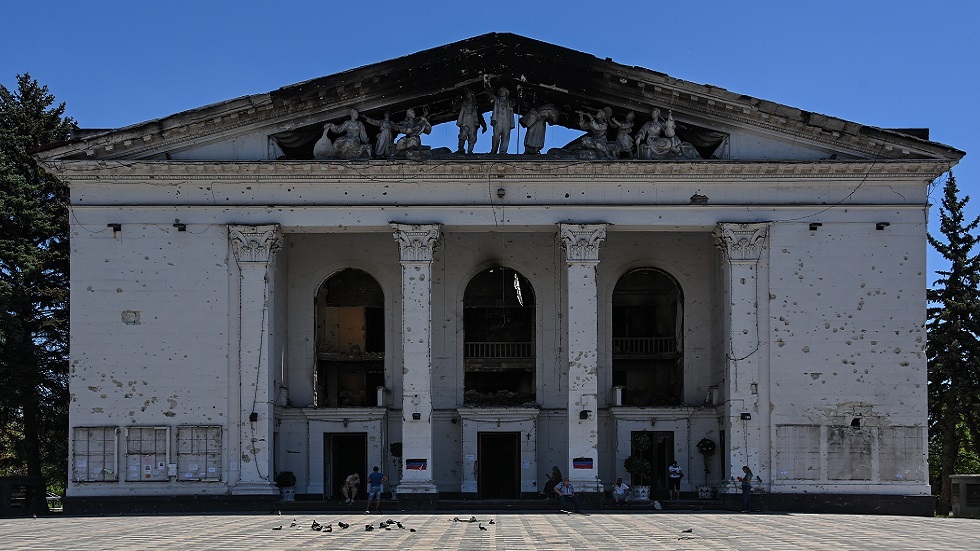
(892, 64)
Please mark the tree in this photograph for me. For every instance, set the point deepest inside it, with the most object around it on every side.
(33, 287)
(953, 347)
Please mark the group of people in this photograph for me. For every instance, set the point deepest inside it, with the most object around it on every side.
(375, 482)
(566, 493)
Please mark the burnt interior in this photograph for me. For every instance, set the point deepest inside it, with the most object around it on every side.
(647, 358)
(350, 333)
(498, 324)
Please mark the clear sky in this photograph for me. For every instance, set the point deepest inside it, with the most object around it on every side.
(891, 64)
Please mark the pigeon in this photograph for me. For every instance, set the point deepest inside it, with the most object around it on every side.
(343, 525)
(482, 528)
(411, 529)
(328, 528)
(382, 524)
(398, 524)
(492, 522)
(688, 531)
(293, 523)
(390, 521)
(455, 519)
(472, 519)
(368, 527)
(316, 526)
(278, 527)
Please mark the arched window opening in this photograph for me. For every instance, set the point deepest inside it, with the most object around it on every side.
(647, 325)
(350, 336)
(498, 325)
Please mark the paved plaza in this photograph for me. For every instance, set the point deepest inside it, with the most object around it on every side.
(510, 531)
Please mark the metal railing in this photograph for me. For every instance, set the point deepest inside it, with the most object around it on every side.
(644, 346)
(499, 350)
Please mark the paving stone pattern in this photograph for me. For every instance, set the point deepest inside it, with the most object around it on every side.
(511, 531)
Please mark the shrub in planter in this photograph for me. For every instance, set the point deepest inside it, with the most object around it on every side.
(286, 479)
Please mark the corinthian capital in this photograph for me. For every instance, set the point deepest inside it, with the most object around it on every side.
(255, 243)
(581, 241)
(416, 242)
(740, 242)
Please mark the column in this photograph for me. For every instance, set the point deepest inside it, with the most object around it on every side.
(416, 244)
(746, 361)
(581, 244)
(255, 248)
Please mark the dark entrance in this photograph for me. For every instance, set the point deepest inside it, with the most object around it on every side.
(660, 455)
(499, 472)
(345, 454)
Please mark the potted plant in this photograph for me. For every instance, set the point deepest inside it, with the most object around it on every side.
(706, 447)
(639, 466)
(286, 481)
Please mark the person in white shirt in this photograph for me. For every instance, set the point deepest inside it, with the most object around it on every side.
(620, 491)
(674, 475)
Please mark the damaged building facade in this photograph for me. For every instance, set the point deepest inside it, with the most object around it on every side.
(301, 281)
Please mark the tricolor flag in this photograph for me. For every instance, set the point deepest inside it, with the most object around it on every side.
(416, 464)
(582, 463)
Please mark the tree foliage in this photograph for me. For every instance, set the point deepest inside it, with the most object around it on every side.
(33, 287)
(953, 347)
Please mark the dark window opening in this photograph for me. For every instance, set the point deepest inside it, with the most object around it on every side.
(349, 340)
(647, 325)
(498, 349)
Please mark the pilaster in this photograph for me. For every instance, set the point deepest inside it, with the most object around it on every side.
(255, 248)
(416, 245)
(747, 363)
(581, 244)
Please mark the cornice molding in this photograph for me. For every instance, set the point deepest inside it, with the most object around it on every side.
(521, 169)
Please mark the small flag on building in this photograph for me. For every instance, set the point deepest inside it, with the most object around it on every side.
(416, 464)
(582, 463)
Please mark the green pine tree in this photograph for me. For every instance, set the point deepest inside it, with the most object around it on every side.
(33, 288)
(953, 347)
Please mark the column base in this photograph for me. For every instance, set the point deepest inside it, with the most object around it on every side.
(418, 496)
(255, 489)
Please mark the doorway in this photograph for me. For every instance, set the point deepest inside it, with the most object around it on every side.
(499, 465)
(345, 453)
(660, 454)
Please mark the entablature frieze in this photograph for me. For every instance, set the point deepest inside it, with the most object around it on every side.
(529, 170)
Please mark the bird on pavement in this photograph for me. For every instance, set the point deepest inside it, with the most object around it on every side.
(343, 525)
(316, 526)
(411, 529)
(482, 528)
(492, 522)
(278, 527)
(688, 531)
(398, 524)
(368, 527)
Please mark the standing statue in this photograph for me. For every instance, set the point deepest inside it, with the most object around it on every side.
(384, 144)
(658, 140)
(623, 143)
(535, 121)
(502, 119)
(323, 149)
(413, 128)
(469, 118)
(353, 142)
(597, 127)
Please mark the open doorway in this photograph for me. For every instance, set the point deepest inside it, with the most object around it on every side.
(660, 454)
(346, 453)
(499, 460)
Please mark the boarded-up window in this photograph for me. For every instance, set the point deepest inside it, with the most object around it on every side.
(94, 454)
(797, 452)
(848, 453)
(198, 453)
(147, 454)
(901, 454)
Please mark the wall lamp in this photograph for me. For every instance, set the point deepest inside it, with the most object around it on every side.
(584, 414)
(179, 225)
(746, 416)
(501, 192)
(416, 416)
(253, 417)
(881, 225)
(814, 226)
(115, 227)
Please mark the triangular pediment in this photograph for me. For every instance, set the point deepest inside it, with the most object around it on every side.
(286, 123)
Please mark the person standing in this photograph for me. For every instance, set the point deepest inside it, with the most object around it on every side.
(674, 476)
(620, 492)
(375, 480)
(746, 480)
(349, 488)
(566, 492)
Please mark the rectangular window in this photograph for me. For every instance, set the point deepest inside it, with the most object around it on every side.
(198, 453)
(94, 454)
(147, 454)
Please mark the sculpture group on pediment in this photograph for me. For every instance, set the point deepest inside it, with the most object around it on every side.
(595, 144)
(352, 143)
(384, 143)
(502, 119)
(412, 127)
(658, 139)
